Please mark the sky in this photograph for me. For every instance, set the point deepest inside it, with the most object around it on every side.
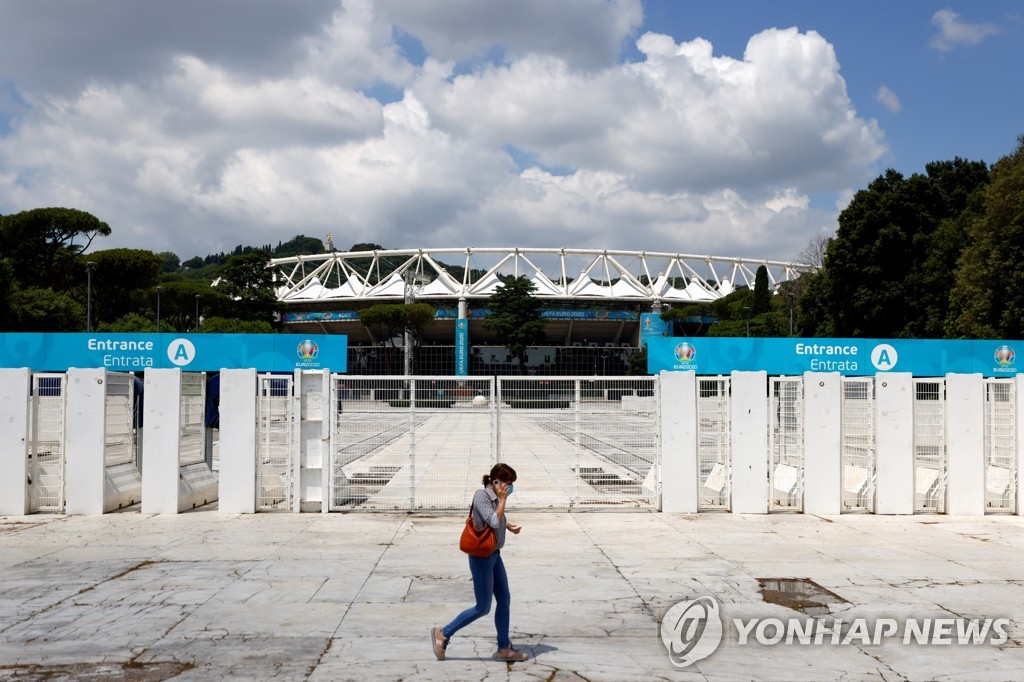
(730, 128)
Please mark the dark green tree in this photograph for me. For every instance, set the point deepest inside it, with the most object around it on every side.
(249, 284)
(885, 264)
(762, 301)
(42, 244)
(122, 282)
(46, 310)
(515, 318)
(988, 294)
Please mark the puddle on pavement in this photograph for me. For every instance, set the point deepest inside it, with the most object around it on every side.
(800, 594)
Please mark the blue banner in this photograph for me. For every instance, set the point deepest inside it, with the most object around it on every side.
(652, 327)
(854, 357)
(478, 314)
(461, 348)
(190, 352)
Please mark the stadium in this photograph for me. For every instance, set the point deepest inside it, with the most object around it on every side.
(594, 301)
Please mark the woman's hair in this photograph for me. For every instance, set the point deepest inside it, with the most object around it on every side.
(500, 472)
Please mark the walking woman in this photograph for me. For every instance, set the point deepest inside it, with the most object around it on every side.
(489, 576)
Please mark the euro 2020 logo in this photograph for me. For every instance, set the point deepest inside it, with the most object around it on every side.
(1005, 356)
(307, 350)
(691, 631)
(685, 352)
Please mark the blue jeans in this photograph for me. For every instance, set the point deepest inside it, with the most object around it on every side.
(489, 578)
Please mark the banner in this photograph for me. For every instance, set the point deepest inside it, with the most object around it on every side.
(190, 352)
(853, 357)
(652, 327)
(461, 348)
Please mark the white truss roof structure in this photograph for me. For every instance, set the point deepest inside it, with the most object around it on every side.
(558, 274)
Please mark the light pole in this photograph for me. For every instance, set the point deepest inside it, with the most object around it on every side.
(88, 295)
(158, 290)
(197, 313)
(747, 315)
(411, 279)
(236, 325)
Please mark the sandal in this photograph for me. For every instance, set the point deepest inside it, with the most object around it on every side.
(510, 655)
(439, 642)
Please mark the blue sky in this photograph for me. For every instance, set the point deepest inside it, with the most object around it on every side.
(725, 128)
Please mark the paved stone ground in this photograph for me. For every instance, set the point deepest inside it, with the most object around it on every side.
(206, 595)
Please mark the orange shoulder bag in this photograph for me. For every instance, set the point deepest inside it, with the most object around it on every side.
(473, 542)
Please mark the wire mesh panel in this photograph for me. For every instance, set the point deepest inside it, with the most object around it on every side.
(46, 443)
(1000, 446)
(858, 443)
(192, 427)
(786, 468)
(580, 443)
(714, 443)
(275, 423)
(929, 445)
(410, 442)
(119, 438)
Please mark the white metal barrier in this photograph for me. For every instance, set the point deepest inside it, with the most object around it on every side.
(120, 435)
(1000, 446)
(46, 457)
(930, 460)
(275, 428)
(425, 442)
(714, 442)
(858, 443)
(786, 465)
(192, 421)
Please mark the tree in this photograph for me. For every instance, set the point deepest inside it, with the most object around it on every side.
(762, 301)
(247, 281)
(637, 363)
(886, 263)
(6, 292)
(515, 318)
(122, 281)
(42, 243)
(132, 322)
(46, 310)
(988, 293)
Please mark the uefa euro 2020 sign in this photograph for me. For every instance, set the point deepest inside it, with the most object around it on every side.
(191, 352)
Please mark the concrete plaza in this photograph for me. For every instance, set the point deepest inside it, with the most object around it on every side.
(205, 595)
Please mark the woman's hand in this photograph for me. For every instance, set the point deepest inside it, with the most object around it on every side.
(501, 490)
(514, 529)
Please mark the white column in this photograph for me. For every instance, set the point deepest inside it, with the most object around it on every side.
(15, 387)
(894, 410)
(749, 442)
(1018, 394)
(238, 396)
(679, 484)
(965, 444)
(85, 435)
(314, 425)
(822, 443)
(161, 462)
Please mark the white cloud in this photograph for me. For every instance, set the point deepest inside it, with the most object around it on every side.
(681, 151)
(584, 33)
(888, 99)
(954, 32)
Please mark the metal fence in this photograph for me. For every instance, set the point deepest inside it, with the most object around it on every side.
(192, 426)
(46, 443)
(858, 443)
(930, 445)
(580, 359)
(714, 442)
(425, 442)
(1000, 442)
(786, 467)
(120, 426)
(275, 425)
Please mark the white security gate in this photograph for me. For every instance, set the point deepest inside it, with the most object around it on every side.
(786, 467)
(46, 443)
(580, 443)
(1000, 446)
(858, 443)
(275, 424)
(192, 440)
(929, 445)
(414, 443)
(120, 433)
(714, 442)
